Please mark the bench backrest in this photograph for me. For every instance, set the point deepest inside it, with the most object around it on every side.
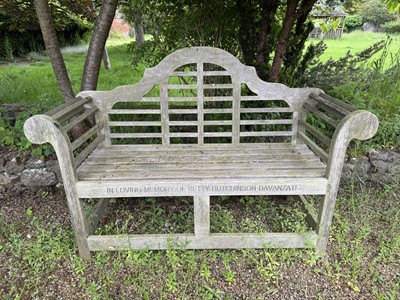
(200, 95)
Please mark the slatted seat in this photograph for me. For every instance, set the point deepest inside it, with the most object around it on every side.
(201, 124)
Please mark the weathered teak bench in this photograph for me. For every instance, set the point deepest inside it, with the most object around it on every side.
(200, 124)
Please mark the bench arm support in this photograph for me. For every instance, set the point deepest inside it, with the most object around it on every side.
(361, 125)
(40, 129)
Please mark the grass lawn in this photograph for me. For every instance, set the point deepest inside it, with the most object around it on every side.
(354, 42)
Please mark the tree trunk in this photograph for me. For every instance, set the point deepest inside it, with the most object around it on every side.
(139, 33)
(53, 49)
(291, 15)
(287, 25)
(97, 43)
(106, 60)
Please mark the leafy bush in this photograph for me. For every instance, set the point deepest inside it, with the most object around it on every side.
(12, 134)
(375, 11)
(391, 27)
(353, 22)
(372, 88)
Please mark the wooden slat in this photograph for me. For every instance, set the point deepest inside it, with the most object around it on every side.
(212, 241)
(217, 134)
(70, 105)
(136, 135)
(265, 133)
(183, 134)
(79, 119)
(134, 123)
(314, 147)
(184, 74)
(200, 104)
(84, 137)
(134, 112)
(201, 207)
(71, 110)
(318, 134)
(149, 99)
(88, 149)
(215, 147)
(128, 187)
(203, 174)
(162, 167)
(330, 110)
(321, 115)
(182, 86)
(218, 122)
(333, 105)
(216, 73)
(337, 102)
(182, 99)
(198, 158)
(236, 114)
(164, 114)
(266, 110)
(295, 126)
(266, 122)
(311, 217)
(218, 86)
(97, 213)
(183, 123)
(182, 111)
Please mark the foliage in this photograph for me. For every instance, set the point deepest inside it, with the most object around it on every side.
(19, 27)
(392, 27)
(246, 28)
(12, 134)
(374, 11)
(392, 5)
(375, 88)
(352, 22)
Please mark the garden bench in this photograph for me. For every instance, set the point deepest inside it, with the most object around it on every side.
(201, 124)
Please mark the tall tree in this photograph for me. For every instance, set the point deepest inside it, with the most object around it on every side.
(97, 43)
(295, 9)
(53, 48)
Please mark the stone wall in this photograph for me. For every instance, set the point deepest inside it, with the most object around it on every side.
(379, 166)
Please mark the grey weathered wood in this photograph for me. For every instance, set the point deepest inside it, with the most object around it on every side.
(212, 241)
(201, 215)
(97, 213)
(102, 170)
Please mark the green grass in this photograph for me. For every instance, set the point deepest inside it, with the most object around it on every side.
(39, 261)
(34, 82)
(354, 42)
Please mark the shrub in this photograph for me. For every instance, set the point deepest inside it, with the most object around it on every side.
(391, 27)
(375, 11)
(353, 22)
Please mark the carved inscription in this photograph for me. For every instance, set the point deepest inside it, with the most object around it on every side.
(201, 189)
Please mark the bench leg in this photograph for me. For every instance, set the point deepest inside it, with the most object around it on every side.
(325, 216)
(79, 223)
(202, 215)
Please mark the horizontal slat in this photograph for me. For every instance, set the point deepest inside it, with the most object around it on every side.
(193, 187)
(135, 135)
(266, 110)
(84, 137)
(134, 111)
(317, 134)
(183, 123)
(266, 133)
(88, 149)
(218, 122)
(68, 106)
(218, 86)
(266, 122)
(201, 174)
(182, 99)
(216, 73)
(217, 134)
(216, 148)
(330, 110)
(323, 116)
(162, 167)
(331, 104)
(183, 74)
(182, 111)
(212, 241)
(183, 134)
(134, 123)
(80, 118)
(314, 147)
(338, 102)
(182, 86)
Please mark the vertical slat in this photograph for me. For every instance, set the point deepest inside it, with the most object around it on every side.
(236, 112)
(295, 127)
(201, 215)
(200, 103)
(164, 113)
